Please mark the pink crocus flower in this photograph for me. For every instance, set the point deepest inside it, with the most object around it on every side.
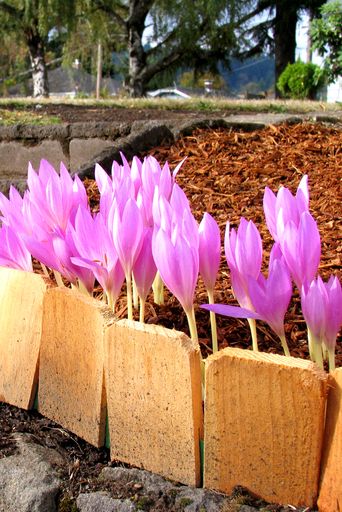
(286, 205)
(209, 263)
(322, 310)
(144, 269)
(127, 233)
(11, 209)
(96, 252)
(243, 249)
(65, 250)
(334, 312)
(175, 253)
(13, 252)
(209, 250)
(301, 247)
(269, 298)
(54, 197)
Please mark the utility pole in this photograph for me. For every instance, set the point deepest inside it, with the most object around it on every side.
(99, 70)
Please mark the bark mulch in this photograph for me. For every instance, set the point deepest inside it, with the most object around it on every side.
(225, 174)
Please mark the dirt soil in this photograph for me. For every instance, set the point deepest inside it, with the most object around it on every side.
(225, 174)
(79, 113)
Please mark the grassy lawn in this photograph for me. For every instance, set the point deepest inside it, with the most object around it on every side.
(20, 116)
(21, 108)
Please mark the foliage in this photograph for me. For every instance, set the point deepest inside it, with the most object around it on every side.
(34, 24)
(191, 79)
(300, 80)
(326, 35)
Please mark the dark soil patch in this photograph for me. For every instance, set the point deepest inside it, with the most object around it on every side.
(225, 174)
(79, 113)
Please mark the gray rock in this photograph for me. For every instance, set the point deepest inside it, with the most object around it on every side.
(196, 500)
(247, 508)
(29, 479)
(102, 502)
(152, 483)
(142, 138)
(188, 499)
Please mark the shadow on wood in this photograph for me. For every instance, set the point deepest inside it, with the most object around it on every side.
(21, 311)
(71, 380)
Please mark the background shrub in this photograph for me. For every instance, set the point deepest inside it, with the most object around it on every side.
(300, 80)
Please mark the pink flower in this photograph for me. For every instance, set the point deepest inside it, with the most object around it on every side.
(209, 250)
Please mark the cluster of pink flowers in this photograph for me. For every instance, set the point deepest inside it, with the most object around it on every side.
(146, 234)
(295, 254)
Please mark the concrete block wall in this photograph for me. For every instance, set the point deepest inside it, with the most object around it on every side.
(74, 145)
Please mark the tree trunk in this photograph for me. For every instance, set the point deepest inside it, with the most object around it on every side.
(135, 25)
(137, 62)
(99, 70)
(38, 66)
(284, 37)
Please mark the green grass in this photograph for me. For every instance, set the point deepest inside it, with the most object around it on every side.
(20, 116)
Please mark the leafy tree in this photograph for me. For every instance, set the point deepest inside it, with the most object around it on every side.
(184, 32)
(326, 37)
(31, 22)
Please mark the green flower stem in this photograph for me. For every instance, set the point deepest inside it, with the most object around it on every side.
(83, 289)
(58, 278)
(192, 324)
(45, 270)
(158, 290)
(142, 311)
(111, 303)
(331, 355)
(325, 352)
(129, 297)
(213, 322)
(252, 326)
(311, 346)
(318, 354)
(284, 345)
(316, 349)
(135, 294)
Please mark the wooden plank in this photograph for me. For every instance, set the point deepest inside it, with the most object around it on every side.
(264, 420)
(154, 399)
(330, 496)
(21, 310)
(71, 381)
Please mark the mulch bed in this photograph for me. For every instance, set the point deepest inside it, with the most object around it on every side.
(225, 174)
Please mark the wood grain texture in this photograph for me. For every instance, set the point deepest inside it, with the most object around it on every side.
(330, 496)
(21, 310)
(264, 420)
(154, 399)
(71, 380)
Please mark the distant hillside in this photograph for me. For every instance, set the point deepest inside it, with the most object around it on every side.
(253, 75)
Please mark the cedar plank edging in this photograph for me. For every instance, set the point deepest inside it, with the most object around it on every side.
(153, 379)
(71, 374)
(330, 496)
(264, 423)
(21, 309)
(295, 388)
